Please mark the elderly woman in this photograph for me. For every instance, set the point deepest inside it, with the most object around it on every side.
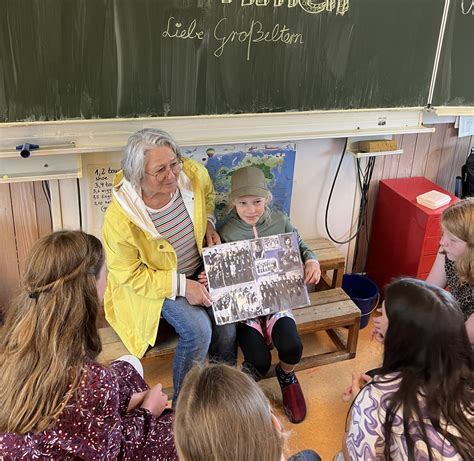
(160, 217)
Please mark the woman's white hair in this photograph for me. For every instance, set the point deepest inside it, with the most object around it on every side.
(133, 162)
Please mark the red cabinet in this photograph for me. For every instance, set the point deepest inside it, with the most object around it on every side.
(405, 235)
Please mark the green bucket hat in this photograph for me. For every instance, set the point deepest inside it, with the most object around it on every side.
(249, 180)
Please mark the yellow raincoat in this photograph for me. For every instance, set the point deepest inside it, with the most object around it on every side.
(141, 263)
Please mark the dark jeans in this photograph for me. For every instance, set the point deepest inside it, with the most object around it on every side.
(223, 347)
(198, 334)
(257, 355)
(305, 455)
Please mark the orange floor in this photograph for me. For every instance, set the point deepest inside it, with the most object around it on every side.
(323, 428)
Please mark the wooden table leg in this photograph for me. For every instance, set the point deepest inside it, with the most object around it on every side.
(353, 336)
(337, 277)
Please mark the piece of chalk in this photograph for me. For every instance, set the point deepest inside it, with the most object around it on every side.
(5, 176)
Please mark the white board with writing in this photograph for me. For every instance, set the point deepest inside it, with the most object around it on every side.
(96, 188)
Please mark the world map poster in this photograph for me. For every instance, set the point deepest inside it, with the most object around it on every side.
(276, 161)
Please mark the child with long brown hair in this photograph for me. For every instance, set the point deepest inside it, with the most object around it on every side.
(57, 402)
(419, 404)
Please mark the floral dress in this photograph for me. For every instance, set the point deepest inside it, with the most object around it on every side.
(95, 425)
(462, 291)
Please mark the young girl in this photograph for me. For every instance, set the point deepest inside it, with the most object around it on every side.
(57, 402)
(251, 218)
(222, 414)
(454, 265)
(419, 405)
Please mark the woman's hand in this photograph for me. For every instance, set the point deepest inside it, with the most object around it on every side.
(155, 401)
(197, 294)
(212, 237)
(312, 271)
(202, 279)
(359, 380)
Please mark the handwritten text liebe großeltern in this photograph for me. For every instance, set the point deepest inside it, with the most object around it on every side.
(225, 36)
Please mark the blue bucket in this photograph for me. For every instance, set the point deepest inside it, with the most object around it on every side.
(364, 292)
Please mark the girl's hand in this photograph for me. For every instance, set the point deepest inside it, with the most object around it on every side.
(359, 380)
(136, 400)
(155, 401)
(312, 271)
(202, 279)
(380, 325)
(377, 336)
(212, 237)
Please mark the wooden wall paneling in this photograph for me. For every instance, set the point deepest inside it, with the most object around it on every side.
(423, 141)
(43, 211)
(446, 163)
(406, 159)
(392, 161)
(438, 156)
(56, 216)
(70, 204)
(24, 218)
(434, 152)
(10, 279)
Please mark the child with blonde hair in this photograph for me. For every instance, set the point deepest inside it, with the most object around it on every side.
(454, 265)
(222, 414)
(251, 217)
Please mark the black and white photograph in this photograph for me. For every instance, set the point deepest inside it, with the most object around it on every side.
(256, 277)
(229, 264)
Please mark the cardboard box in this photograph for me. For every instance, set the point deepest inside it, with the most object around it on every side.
(378, 146)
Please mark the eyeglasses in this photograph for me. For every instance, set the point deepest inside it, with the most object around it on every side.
(162, 173)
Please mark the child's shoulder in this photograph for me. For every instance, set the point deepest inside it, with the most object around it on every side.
(276, 217)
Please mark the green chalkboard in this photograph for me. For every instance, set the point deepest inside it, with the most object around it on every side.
(455, 77)
(68, 59)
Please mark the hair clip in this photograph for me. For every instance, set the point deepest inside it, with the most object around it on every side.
(33, 295)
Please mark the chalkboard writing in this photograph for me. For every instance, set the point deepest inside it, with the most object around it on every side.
(454, 85)
(70, 59)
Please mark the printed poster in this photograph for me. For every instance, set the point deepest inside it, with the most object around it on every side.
(251, 278)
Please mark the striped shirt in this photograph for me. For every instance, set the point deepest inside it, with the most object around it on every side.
(174, 224)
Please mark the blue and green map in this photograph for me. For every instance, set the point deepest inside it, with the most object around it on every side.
(276, 162)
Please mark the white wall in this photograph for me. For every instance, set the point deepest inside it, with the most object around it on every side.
(316, 164)
(315, 167)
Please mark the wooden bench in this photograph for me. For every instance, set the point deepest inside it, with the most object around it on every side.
(329, 259)
(329, 309)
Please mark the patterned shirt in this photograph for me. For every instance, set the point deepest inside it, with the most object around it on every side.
(365, 438)
(94, 424)
(462, 291)
(174, 224)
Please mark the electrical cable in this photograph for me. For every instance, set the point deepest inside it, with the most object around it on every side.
(363, 207)
(47, 194)
(363, 200)
(78, 185)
